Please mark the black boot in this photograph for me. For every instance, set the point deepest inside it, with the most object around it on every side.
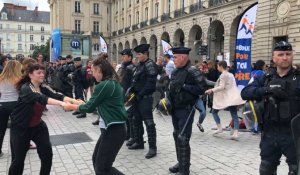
(131, 129)
(82, 115)
(175, 168)
(130, 142)
(151, 131)
(184, 156)
(76, 113)
(137, 145)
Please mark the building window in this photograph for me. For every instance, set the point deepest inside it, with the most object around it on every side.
(129, 18)
(77, 6)
(7, 37)
(19, 37)
(77, 25)
(169, 6)
(182, 4)
(8, 46)
(137, 1)
(31, 37)
(96, 47)
(19, 27)
(96, 8)
(42, 38)
(4, 16)
(146, 13)
(122, 23)
(156, 10)
(0, 26)
(31, 47)
(96, 26)
(31, 28)
(42, 29)
(19, 46)
(137, 17)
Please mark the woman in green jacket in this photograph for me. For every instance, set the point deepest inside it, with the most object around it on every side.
(109, 101)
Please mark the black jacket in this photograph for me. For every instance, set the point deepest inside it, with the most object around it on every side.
(21, 115)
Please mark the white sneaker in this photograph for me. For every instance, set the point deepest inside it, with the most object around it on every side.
(218, 131)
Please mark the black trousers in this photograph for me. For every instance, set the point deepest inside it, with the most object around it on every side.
(107, 148)
(5, 110)
(20, 139)
(180, 117)
(78, 89)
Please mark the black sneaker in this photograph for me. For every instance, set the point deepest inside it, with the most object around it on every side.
(200, 127)
(95, 122)
(76, 113)
(151, 153)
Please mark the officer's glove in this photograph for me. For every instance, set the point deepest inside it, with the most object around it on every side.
(277, 88)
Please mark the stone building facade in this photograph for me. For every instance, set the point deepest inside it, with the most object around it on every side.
(190, 23)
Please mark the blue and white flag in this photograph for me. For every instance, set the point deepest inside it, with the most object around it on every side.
(166, 48)
(55, 44)
(103, 45)
(243, 46)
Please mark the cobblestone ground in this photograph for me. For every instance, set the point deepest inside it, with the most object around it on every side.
(210, 155)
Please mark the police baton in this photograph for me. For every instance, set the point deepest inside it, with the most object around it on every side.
(186, 123)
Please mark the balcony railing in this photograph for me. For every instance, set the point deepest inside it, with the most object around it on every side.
(144, 24)
(212, 3)
(179, 13)
(165, 17)
(97, 33)
(135, 27)
(77, 32)
(153, 21)
(114, 33)
(127, 29)
(120, 31)
(195, 7)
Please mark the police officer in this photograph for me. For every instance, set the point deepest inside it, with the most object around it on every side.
(186, 84)
(77, 78)
(125, 73)
(67, 69)
(279, 90)
(143, 85)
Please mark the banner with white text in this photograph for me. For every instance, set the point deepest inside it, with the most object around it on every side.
(243, 46)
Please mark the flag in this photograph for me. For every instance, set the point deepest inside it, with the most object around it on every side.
(244, 46)
(55, 44)
(103, 45)
(166, 48)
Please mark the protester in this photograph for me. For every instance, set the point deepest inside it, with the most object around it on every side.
(108, 99)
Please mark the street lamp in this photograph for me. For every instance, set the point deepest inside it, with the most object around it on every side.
(209, 32)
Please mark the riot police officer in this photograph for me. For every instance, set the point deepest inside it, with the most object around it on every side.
(279, 90)
(67, 69)
(125, 73)
(186, 84)
(143, 85)
(78, 78)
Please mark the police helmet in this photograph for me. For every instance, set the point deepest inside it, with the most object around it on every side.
(164, 106)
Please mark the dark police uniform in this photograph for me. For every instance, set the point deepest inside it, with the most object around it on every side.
(143, 84)
(125, 73)
(67, 69)
(186, 84)
(281, 98)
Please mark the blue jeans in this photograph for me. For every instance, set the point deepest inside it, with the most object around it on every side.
(201, 108)
(233, 112)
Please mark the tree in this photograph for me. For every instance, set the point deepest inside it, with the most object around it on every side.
(44, 49)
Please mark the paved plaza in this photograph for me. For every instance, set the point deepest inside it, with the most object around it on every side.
(210, 155)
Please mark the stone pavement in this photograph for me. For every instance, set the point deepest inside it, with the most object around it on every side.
(210, 155)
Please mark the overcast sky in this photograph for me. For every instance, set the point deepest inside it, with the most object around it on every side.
(42, 4)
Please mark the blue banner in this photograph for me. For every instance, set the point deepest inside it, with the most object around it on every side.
(243, 46)
(55, 44)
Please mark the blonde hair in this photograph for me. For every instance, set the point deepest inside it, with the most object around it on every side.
(11, 72)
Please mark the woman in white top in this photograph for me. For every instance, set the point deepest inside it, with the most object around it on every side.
(9, 95)
(226, 95)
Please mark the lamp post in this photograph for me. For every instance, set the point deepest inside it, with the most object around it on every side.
(0, 45)
(209, 33)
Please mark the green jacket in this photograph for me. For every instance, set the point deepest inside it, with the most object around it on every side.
(108, 99)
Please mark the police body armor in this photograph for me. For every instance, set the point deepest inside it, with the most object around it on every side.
(179, 97)
(283, 110)
(68, 69)
(142, 70)
(125, 73)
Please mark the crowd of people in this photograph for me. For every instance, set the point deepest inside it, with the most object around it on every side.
(125, 96)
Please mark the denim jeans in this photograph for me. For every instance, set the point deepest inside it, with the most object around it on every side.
(200, 106)
(233, 112)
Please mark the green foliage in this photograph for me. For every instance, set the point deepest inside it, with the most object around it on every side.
(44, 49)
